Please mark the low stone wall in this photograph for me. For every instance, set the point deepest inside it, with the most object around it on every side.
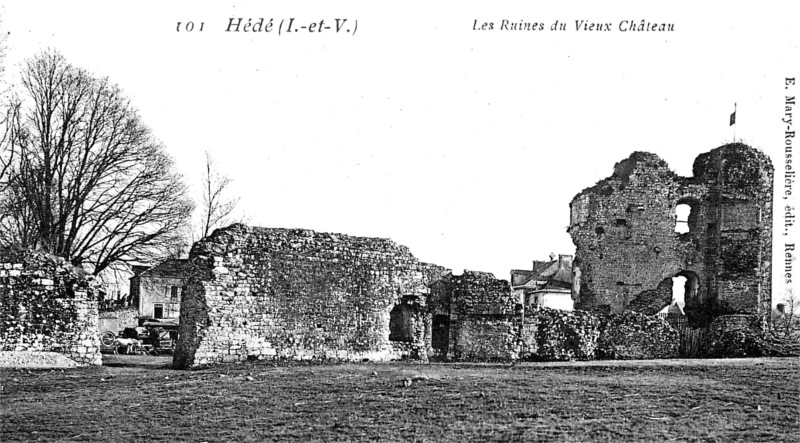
(47, 305)
(256, 293)
(481, 338)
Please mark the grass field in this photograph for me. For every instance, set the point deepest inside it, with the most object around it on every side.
(672, 400)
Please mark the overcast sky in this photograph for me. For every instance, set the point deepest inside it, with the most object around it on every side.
(466, 146)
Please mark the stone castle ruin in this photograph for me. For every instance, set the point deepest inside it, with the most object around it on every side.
(260, 293)
(644, 228)
(47, 305)
(280, 294)
(256, 293)
(642, 235)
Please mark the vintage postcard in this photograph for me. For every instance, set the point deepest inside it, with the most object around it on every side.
(240, 187)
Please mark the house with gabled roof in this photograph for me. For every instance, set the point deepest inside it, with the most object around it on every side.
(159, 288)
(548, 284)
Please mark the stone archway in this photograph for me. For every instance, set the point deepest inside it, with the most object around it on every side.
(685, 287)
(651, 301)
(410, 329)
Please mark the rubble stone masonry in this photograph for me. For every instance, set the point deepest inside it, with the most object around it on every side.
(47, 305)
(628, 249)
(256, 293)
(480, 314)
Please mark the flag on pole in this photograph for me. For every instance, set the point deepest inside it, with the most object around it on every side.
(733, 116)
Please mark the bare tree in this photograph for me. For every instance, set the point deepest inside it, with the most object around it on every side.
(3, 47)
(5, 153)
(217, 207)
(786, 318)
(85, 178)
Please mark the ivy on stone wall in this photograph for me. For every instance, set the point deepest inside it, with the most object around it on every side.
(632, 335)
(565, 335)
(553, 335)
(732, 336)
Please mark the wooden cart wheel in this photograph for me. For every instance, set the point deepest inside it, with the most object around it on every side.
(108, 339)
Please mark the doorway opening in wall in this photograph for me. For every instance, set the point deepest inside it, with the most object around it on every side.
(440, 333)
(401, 324)
(678, 289)
(158, 310)
(684, 288)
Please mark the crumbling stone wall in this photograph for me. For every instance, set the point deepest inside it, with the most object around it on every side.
(482, 315)
(555, 335)
(298, 294)
(628, 250)
(47, 305)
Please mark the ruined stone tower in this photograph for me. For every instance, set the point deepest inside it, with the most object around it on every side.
(644, 225)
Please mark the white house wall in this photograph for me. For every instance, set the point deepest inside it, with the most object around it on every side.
(157, 290)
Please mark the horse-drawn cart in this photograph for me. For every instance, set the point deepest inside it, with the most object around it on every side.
(109, 343)
(162, 335)
(153, 337)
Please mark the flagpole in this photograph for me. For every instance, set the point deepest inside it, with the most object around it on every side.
(734, 122)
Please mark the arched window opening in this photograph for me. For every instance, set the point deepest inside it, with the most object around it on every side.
(401, 324)
(682, 212)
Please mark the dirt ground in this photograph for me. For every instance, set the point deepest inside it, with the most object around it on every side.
(136, 398)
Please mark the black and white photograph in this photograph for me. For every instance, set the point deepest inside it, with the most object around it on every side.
(242, 221)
